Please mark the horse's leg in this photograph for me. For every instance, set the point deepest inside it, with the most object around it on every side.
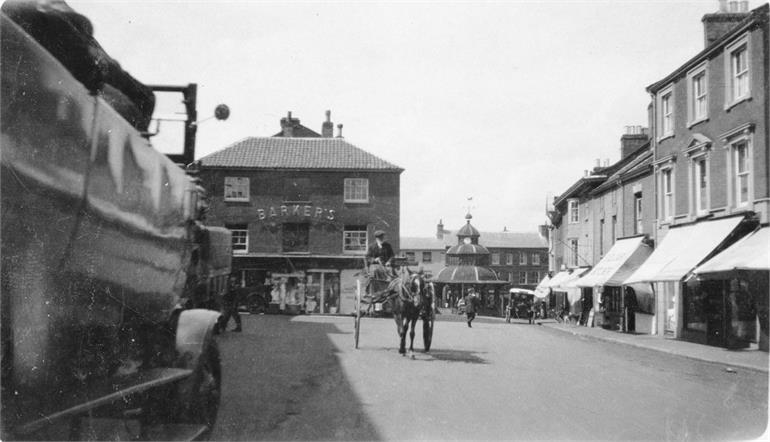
(401, 333)
(413, 323)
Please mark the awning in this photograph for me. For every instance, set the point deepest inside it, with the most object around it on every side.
(542, 290)
(625, 256)
(561, 282)
(750, 253)
(518, 291)
(682, 249)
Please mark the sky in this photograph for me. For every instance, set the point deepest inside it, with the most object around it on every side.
(489, 106)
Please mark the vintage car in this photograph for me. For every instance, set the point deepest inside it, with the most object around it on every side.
(103, 255)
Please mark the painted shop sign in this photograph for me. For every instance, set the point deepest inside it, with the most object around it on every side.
(296, 210)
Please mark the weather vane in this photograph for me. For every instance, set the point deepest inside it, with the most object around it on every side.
(469, 206)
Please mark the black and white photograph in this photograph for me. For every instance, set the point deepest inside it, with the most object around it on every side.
(384, 220)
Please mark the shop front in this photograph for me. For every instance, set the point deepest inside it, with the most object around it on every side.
(565, 297)
(298, 285)
(727, 302)
(611, 306)
(666, 269)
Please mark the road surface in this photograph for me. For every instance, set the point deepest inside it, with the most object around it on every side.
(301, 378)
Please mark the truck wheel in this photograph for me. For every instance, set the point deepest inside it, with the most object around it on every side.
(198, 396)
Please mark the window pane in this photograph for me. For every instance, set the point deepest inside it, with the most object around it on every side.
(354, 238)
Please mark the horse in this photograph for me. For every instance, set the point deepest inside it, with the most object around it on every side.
(411, 300)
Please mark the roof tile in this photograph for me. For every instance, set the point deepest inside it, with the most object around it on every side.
(296, 153)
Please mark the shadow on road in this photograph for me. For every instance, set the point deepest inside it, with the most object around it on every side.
(468, 357)
(282, 380)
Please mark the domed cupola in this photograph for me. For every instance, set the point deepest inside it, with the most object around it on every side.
(468, 251)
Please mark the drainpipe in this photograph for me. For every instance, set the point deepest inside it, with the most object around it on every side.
(659, 304)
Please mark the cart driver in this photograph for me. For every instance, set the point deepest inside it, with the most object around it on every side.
(380, 258)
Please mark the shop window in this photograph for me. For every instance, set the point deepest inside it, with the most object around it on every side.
(240, 237)
(296, 237)
(236, 188)
(356, 190)
(427, 257)
(296, 190)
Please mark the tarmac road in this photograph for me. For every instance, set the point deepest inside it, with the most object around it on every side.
(300, 378)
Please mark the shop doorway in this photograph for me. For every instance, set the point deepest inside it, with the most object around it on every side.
(322, 291)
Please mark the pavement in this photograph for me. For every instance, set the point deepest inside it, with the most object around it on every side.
(750, 358)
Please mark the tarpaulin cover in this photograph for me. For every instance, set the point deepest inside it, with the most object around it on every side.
(625, 256)
(750, 253)
(682, 249)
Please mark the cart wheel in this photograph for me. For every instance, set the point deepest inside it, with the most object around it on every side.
(427, 332)
(358, 317)
(196, 399)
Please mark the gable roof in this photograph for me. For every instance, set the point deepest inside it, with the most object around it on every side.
(296, 153)
(300, 131)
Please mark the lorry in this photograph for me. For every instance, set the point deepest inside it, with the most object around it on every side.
(106, 259)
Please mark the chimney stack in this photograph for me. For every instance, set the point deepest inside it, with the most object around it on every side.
(632, 140)
(327, 129)
(339, 133)
(288, 124)
(440, 229)
(717, 24)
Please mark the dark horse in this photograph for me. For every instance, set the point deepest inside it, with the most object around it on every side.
(411, 299)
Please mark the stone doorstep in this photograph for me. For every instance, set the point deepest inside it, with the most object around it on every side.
(664, 345)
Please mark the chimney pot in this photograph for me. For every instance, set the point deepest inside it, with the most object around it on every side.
(339, 129)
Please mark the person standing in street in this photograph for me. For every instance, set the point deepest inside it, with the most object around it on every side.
(471, 303)
(230, 306)
(531, 313)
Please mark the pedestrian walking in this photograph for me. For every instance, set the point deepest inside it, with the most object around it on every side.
(471, 303)
(230, 306)
(508, 310)
(531, 313)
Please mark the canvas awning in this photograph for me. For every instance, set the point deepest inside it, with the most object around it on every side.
(625, 256)
(542, 290)
(561, 282)
(682, 249)
(518, 291)
(750, 253)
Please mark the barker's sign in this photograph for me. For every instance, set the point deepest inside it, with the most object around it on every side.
(296, 210)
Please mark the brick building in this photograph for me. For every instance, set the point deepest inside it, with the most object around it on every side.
(710, 158)
(302, 211)
(609, 204)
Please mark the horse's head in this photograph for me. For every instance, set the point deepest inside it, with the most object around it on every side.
(417, 288)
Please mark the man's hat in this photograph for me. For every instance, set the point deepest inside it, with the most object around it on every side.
(379, 233)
